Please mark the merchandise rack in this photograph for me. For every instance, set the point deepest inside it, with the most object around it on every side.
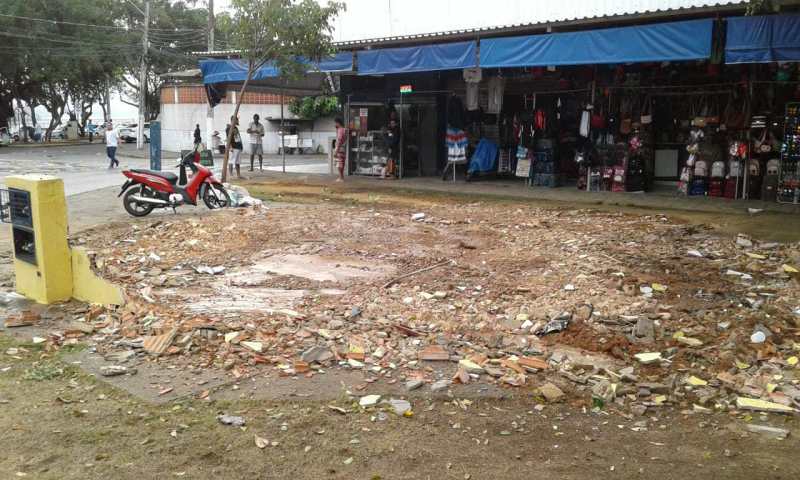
(789, 180)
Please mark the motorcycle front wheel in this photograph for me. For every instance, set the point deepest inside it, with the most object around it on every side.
(137, 209)
(215, 196)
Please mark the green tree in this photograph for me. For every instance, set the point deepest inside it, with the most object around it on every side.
(177, 28)
(59, 52)
(281, 33)
(312, 108)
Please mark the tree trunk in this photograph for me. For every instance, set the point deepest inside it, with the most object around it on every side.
(230, 130)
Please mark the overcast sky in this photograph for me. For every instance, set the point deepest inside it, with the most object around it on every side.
(365, 19)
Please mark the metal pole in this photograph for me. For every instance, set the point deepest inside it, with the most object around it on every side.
(108, 102)
(400, 157)
(283, 132)
(143, 78)
(209, 108)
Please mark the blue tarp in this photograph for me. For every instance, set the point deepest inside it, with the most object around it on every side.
(688, 40)
(771, 38)
(483, 160)
(426, 58)
(223, 71)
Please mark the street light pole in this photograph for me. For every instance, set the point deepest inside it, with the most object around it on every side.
(209, 108)
(143, 78)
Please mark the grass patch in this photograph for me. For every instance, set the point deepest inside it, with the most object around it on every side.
(44, 371)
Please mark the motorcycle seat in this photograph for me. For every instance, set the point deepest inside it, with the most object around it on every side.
(170, 177)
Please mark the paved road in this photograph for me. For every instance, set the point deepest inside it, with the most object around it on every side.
(84, 168)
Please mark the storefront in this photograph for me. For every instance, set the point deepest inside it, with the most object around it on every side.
(699, 107)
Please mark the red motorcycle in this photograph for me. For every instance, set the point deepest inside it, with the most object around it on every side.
(146, 190)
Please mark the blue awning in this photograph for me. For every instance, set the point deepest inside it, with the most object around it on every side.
(771, 38)
(225, 71)
(426, 58)
(688, 40)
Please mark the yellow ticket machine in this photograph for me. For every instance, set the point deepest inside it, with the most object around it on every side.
(36, 209)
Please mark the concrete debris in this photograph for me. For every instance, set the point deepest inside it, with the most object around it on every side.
(158, 344)
(369, 400)
(414, 384)
(231, 420)
(773, 432)
(116, 370)
(302, 291)
(317, 354)
(648, 357)
(440, 385)
(400, 407)
(755, 404)
(551, 393)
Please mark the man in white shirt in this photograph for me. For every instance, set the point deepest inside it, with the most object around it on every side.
(256, 131)
(112, 141)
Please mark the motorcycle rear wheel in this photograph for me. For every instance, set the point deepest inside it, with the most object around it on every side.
(134, 208)
(215, 196)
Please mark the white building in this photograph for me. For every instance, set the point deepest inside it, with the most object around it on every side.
(184, 105)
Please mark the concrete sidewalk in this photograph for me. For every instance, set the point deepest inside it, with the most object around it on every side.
(662, 198)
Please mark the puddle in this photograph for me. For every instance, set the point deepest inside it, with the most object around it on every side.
(318, 268)
(239, 290)
(224, 299)
(228, 299)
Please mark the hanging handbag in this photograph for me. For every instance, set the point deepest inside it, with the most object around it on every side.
(699, 120)
(647, 116)
(598, 120)
(625, 126)
(762, 145)
(713, 115)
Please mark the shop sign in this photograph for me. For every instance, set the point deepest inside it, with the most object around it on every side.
(406, 89)
(363, 112)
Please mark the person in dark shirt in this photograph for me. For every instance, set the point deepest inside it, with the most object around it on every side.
(197, 139)
(392, 138)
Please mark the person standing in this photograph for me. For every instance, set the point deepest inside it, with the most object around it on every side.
(112, 141)
(90, 130)
(256, 131)
(340, 153)
(197, 139)
(235, 157)
(392, 138)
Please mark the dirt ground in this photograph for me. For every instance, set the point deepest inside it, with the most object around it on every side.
(59, 423)
(322, 267)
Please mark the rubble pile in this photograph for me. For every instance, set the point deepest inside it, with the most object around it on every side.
(632, 311)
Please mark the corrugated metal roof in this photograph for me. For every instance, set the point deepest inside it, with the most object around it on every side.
(598, 12)
(610, 11)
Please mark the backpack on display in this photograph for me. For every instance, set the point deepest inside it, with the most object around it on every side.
(755, 168)
(700, 168)
(735, 168)
(773, 167)
(718, 169)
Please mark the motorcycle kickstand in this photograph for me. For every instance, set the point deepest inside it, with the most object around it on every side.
(174, 210)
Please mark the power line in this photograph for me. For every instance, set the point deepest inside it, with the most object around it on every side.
(67, 41)
(111, 27)
(61, 22)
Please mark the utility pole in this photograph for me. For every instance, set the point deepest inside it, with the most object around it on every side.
(143, 78)
(209, 108)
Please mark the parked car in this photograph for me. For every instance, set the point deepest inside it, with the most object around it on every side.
(5, 137)
(126, 133)
(60, 132)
